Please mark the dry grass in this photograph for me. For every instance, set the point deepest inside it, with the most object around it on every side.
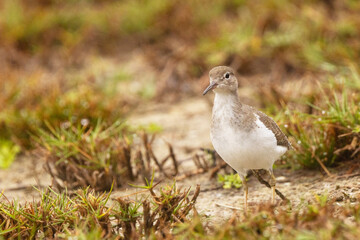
(59, 215)
(100, 155)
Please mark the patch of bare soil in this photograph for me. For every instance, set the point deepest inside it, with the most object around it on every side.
(22, 177)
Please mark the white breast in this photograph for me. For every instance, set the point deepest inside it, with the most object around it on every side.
(241, 149)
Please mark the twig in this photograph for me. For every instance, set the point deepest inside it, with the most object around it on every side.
(23, 187)
(347, 176)
(165, 160)
(125, 154)
(227, 206)
(205, 164)
(211, 189)
(190, 174)
(147, 218)
(212, 152)
(355, 152)
(216, 169)
(191, 203)
(197, 161)
(172, 156)
(152, 155)
(177, 219)
(196, 194)
(146, 145)
(323, 166)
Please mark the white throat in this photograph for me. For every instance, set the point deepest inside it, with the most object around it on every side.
(224, 100)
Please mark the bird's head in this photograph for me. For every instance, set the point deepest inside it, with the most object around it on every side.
(222, 79)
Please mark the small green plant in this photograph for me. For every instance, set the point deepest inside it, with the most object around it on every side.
(344, 111)
(151, 128)
(230, 180)
(8, 152)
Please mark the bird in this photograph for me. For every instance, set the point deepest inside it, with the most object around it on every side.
(244, 137)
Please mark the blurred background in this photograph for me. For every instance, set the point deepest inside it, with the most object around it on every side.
(75, 62)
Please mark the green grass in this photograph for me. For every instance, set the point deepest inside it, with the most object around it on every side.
(330, 134)
(8, 152)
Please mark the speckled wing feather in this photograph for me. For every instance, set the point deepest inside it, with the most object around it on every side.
(279, 135)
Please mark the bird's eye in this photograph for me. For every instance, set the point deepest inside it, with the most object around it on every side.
(227, 75)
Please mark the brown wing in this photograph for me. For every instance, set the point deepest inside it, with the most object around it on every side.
(279, 135)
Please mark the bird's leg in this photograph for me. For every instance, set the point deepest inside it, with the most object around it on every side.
(262, 181)
(272, 183)
(245, 187)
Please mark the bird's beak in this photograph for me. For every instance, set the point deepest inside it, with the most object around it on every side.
(211, 86)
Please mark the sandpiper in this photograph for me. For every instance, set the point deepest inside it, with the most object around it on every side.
(244, 137)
